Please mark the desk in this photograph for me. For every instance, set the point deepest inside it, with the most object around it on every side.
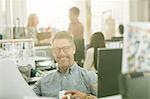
(112, 97)
(28, 97)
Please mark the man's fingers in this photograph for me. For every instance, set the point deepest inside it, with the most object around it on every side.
(64, 97)
(68, 96)
(74, 97)
(71, 92)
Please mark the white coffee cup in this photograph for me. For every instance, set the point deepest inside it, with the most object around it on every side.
(62, 94)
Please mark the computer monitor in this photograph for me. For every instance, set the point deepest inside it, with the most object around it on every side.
(114, 43)
(12, 84)
(109, 67)
(43, 51)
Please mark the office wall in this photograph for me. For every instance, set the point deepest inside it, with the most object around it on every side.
(19, 11)
(10, 10)
(102, 9)
(139, 10)
(2, 5)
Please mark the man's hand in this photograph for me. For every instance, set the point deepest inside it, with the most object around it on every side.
(74, 94)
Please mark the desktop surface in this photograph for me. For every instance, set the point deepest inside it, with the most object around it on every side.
(112, 97)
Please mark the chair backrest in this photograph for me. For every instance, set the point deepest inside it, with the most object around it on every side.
(109, 67)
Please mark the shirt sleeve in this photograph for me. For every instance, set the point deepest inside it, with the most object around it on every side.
(93, 82)
(37, 88)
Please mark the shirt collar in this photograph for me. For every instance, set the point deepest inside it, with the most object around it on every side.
(69, 70)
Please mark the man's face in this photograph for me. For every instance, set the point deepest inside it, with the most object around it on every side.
(63, 52)
(72, 16)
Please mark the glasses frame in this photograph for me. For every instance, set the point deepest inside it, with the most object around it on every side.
(65, 49)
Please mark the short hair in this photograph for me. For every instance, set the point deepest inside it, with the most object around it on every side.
(75, 10)
(64, 35)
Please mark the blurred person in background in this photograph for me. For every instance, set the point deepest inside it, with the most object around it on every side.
(77, 29)
(97, 41)
(31, 28)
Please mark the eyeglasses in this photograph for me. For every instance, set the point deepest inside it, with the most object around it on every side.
(65, 49)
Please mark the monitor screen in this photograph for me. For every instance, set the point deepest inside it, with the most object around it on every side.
(109, 67)
(113, 43)
(43, 51)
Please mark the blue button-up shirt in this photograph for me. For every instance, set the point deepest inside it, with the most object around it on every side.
(76, 78)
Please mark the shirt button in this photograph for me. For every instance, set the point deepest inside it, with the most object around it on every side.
(65, 77)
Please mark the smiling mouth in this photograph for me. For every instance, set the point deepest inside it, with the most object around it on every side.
(62, 58)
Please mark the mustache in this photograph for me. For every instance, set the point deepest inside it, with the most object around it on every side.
(63, 57)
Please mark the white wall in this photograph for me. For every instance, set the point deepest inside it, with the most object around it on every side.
(119, 9)
(10, 10)
(2, 15)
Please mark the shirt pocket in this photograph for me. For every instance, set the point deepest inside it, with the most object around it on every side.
(80, 85)
(50, 90)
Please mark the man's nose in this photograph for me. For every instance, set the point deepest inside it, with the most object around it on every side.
(61, 52)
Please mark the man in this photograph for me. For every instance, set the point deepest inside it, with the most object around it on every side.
(68, 76)
(75, 26)
(77, 29)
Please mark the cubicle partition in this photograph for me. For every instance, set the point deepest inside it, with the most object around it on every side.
(135, 78)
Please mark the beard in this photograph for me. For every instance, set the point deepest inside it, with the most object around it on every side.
(63, 62)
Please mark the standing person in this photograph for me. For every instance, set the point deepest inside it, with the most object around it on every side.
(110, 27)
(75, 26)
(69, 75)
(31, 27)
(97, 41)
(77, 29)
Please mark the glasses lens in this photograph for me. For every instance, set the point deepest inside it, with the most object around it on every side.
(65, 49)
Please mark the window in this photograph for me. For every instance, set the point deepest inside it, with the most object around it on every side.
(53, 13)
